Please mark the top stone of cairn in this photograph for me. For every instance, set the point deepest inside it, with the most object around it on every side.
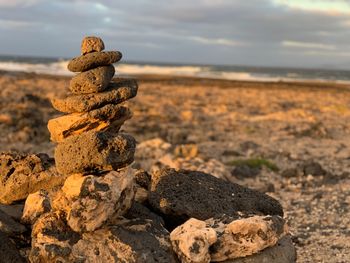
(92, 44)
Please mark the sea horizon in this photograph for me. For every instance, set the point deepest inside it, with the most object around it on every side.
(57, 66)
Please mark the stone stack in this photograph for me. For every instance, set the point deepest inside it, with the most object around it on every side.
(91, 151)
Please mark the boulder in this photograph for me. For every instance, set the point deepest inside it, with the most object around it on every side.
(93, 60)
(91, 44)
(108, 117)
(36, 204)
(246, 236)
(137, 240)
(93, 151)
(8, 251)
(180, 195)
(21, 175)
(90, 201)
(191, 241)
(117, 92)
(92, 81)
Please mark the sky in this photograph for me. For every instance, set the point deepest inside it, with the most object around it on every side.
(287, 33)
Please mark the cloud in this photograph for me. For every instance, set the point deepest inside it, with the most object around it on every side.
(254, 32)
(305, 45)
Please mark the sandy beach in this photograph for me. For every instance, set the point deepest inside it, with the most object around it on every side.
(289, 140)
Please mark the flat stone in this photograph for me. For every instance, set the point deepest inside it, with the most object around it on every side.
(21, 175)
(9, 226)
(134, 241)
(108, 117)
(246, 236)
(8, 251)
(191, 241)
(181, 195)
(91, 201)
(93, 151)
(91, 44)
(36, 204)
(92, 81)
(117, 92)
(93, 60)
(283, 252)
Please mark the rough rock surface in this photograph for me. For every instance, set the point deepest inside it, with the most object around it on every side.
(246, 236)
(191, 241)
(185, 194)
(92, 81)
(8, 251)
(94, 152)
(93, 60)
(15, 211)
(108, 117)
(10, 226)
(90, 201)
(282, 252)
(21, 175)
(36, 204)
(91, 44)
(130, 241)
(117, 92)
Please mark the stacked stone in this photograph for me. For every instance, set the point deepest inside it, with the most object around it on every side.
(91, 151)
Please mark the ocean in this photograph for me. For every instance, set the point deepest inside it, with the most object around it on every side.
(58, 66)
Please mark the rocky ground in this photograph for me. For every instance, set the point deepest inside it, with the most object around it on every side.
(290, 140)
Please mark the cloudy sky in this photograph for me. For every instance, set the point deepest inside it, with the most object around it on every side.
(298, 33)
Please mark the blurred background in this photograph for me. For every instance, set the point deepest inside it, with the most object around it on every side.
(240, 38)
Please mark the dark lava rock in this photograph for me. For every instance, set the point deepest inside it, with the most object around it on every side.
(245, 171)
(8, 251)
(93, 60)
(290, 172)
(21, 175)
(10, 226)
(142, 178)
(140, 211)
(181, 195)
(117, 92)
(94, 152)
(313, 168)
(92, 81)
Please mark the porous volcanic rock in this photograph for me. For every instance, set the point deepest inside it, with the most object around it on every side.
(117, 92)
(180, 195)
(36, 204)
(134, 241)
(93, 151)
(8, 251)
(93, 60)
(91, 200)
(191, 241)
(91, 44)
(246, 236)
(110, 116)
(92, 81)
(21, 175)
(283, 252)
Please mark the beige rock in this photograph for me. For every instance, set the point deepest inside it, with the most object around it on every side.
(109, 116)
(89, 201)
(36, 204)
(93, 152)
(91, 44)
(117, 92)
(191, 241)
(21, 175)
(92, 81)
(247, 236)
